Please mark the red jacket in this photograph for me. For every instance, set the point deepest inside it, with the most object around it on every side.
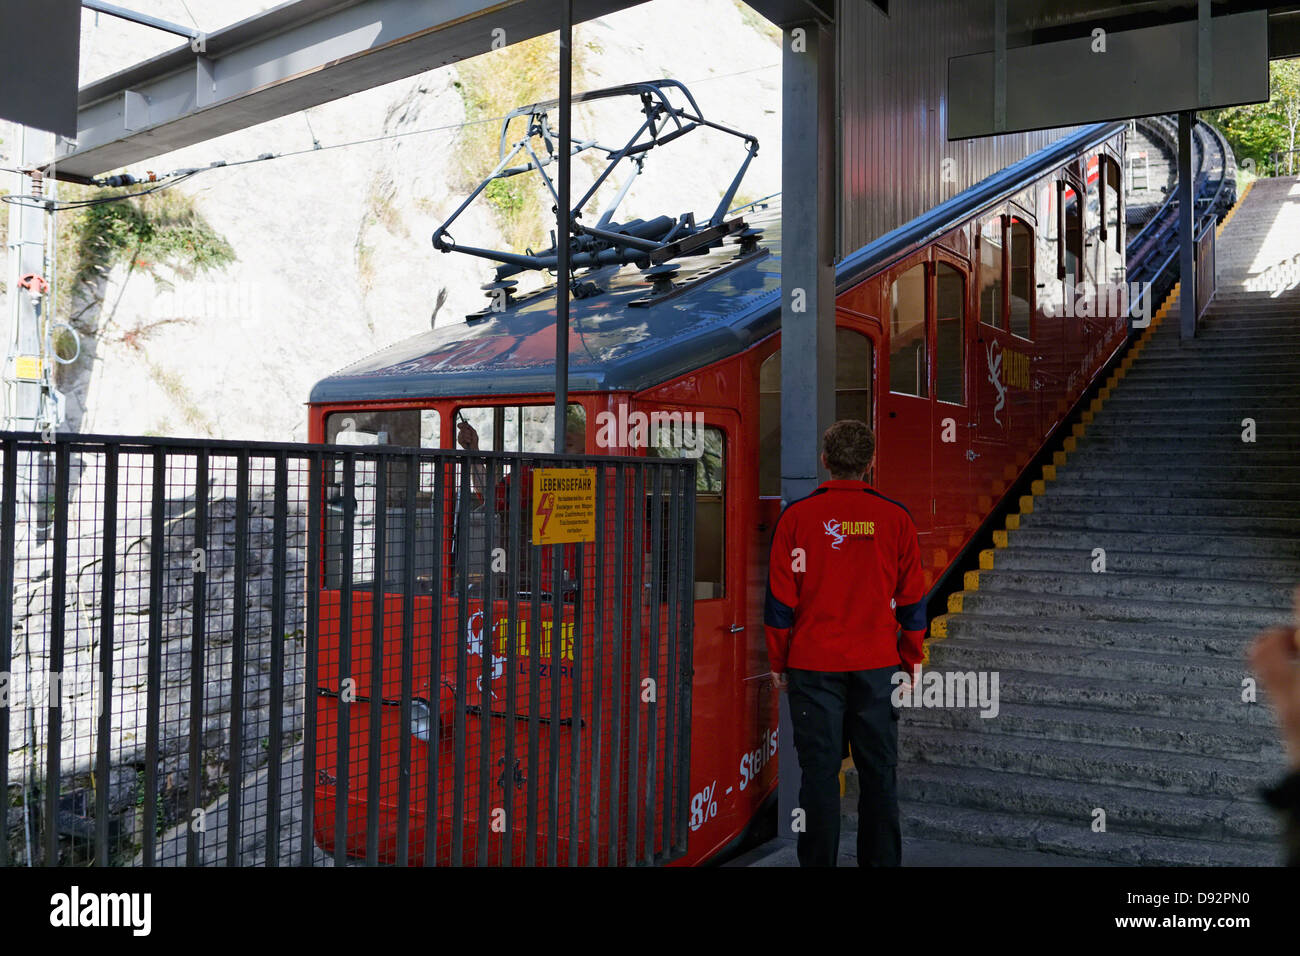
(839, 557)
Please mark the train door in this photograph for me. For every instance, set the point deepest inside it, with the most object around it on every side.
(904, 469)
(1070, 274)
(991, 340)
(729, 648)
(1111, 287)
(1049, 309)
(1023, 364)
(856, 340)
(952, 418)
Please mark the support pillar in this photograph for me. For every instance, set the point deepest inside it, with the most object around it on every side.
(808, 209)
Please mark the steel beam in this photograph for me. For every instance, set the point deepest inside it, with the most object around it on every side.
(1195, 64)
(290, 58)
(807, 294)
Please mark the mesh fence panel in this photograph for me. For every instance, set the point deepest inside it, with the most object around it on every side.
(271, 655)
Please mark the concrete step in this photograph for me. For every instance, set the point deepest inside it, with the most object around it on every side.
(1134, 698)
(1074, 802)
(1241, 527)
(981, 652)
(1152, 484)
(1280, 363)
(1213, 444)
(1117, 766)
(1163, 734)
(1243, 469)
(1229, 347)
(1151, 587)
(1121, 609)
(1281, 571)
(1222, 417)
(1191, 378)
(1126, 539)
(1090, 454)
(1100, 636)
(988, 828)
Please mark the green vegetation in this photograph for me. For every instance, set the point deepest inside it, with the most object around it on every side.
(1259, 131)
(161, 235)
(757, 22)
(491, 85)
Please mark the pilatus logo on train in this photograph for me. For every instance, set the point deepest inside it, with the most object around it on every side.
(837, 531)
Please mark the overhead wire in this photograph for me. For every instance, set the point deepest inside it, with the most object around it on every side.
(178, 176)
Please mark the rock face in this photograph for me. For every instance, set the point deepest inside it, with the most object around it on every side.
(333, 245)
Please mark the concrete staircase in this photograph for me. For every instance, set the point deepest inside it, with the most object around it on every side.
(1121, 690)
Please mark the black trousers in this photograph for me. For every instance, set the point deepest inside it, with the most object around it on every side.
(826, 706)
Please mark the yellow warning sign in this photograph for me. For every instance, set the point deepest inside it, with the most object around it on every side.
(27, 368)
(564, 505)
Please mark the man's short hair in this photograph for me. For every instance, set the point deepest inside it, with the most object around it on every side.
(848, 446)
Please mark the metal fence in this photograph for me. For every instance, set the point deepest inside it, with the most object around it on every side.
(232, 654)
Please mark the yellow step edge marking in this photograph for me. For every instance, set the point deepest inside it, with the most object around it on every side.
(1087, 417)
(1070, 444)
(1013, 522)
(954, 602)
(1026, 504)
(939, 628)
(1049, 472)
(986, 559)
(1037, 487)
(1058, 459)
(971, 580)
(1000, 539)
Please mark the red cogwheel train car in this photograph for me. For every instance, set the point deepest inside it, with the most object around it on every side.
(964, 338)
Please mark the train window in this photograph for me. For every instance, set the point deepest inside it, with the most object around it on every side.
(710, 511)
(1072, 249)
(1111, 202)
(990, 272)
(949, 340)
(769, 426)
(407, 428)
(908, 368)
(520, 428)
(1020, 289)
(855, 362)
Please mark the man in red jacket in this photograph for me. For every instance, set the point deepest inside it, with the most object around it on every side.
(843, 578)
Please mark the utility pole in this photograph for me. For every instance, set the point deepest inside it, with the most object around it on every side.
(562, 230)
(31, 402)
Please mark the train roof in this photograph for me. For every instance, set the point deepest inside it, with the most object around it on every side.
(626, 336)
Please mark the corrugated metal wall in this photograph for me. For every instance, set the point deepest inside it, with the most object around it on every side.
(893, 100)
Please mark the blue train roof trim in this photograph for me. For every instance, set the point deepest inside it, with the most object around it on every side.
(725, 302)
